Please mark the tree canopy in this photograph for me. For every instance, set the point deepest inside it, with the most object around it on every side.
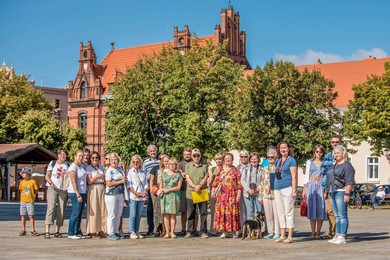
(190, 92)
(368, 115)
(281, 103)
(26, 116)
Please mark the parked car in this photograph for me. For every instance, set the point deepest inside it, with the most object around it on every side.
(367, 197)
(298, 199)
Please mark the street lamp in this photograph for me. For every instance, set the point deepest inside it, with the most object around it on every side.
(163, 132)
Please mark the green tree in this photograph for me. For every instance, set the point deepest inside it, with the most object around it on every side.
(40, 127)
(17, 96)
(189, 92)
(280, 103)
(73, 139)
(368, 115)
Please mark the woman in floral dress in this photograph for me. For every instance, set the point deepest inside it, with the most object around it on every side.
(170, 185)
(227, 189)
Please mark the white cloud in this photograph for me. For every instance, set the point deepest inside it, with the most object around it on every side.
(310, 56)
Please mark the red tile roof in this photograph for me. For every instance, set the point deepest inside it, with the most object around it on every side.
(346, 74)
(118, 60)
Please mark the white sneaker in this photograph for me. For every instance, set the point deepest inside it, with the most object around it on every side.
(134, 235)
(340, 241)
(140, 236)
(334, 239)
(223, 235)
(74, 237)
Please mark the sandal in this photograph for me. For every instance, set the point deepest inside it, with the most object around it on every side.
(22, 233)
(34, 233)
(313, 235)
(58, 235)
(280, 240)
(288, 240)
(326, 237)
(47, 235)
(317, 236)
(173, 235)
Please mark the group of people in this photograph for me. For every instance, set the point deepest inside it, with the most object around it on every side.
(234, 194)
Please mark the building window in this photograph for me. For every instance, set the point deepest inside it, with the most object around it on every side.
(57, 103)
(83, 121)
(373, 168)
(83, 90)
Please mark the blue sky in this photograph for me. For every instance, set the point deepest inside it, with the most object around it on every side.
(41, 38)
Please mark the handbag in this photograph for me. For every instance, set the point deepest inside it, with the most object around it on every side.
(303, 207)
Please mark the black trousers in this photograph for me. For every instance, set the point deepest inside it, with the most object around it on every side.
(149, 213)
(192, 210)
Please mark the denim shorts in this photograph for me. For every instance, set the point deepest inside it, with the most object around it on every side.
(27, 207)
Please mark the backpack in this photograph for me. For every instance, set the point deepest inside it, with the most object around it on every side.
(66, 181)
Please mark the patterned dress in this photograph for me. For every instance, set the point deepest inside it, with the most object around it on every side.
(227, 209)
(170, 202)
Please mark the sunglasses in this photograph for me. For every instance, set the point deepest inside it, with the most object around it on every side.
(271, 157)
(243, 156)
(196, 155)
(318, 151)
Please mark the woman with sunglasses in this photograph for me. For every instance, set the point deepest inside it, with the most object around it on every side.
(314, 192)
(267, 198)
(138, 186)
(96, 206)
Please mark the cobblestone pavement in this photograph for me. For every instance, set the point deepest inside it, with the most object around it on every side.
(368, 239)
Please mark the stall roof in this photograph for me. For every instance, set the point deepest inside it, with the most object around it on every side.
(25, 153)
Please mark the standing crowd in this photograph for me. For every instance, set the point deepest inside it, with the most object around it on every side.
(234, 194)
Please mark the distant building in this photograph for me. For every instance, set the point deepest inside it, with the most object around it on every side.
(57, 95)
(60, 98)
(91, 88)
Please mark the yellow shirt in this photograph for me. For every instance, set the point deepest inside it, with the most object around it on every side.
(28, 190)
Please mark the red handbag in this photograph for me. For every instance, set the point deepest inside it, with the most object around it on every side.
(303, 207)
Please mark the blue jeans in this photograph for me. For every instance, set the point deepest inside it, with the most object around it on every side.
(252, 206)
(135, 208)
(340, 209)
(77, 212)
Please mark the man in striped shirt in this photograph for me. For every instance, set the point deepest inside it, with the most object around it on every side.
(148, 165)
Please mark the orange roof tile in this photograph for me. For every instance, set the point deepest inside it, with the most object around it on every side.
(118, 60)
(346, 74)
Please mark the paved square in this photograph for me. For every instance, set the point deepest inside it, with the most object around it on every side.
(368, 239)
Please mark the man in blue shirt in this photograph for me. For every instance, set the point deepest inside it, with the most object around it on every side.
(327, 163)
(148, 165)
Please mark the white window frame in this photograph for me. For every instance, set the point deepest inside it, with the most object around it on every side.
(368, 164)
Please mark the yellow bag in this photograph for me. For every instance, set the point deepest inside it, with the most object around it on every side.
(198, 198)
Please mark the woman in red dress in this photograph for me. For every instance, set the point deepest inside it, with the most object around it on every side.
(227, 189)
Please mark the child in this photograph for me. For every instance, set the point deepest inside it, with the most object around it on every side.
(28, 188)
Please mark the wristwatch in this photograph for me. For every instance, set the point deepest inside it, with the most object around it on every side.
(346, 194)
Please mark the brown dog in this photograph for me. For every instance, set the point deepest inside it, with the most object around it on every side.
(253, 225)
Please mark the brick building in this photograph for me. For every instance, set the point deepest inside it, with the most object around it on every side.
(91, 87)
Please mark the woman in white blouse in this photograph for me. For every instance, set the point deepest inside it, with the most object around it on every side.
(115, 187)
(138, 186)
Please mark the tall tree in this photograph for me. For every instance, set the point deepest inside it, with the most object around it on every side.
(17, 96)
(189, 92)
(368, 115)
(280, 103)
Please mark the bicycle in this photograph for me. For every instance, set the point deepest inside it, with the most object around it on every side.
(355, 201)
